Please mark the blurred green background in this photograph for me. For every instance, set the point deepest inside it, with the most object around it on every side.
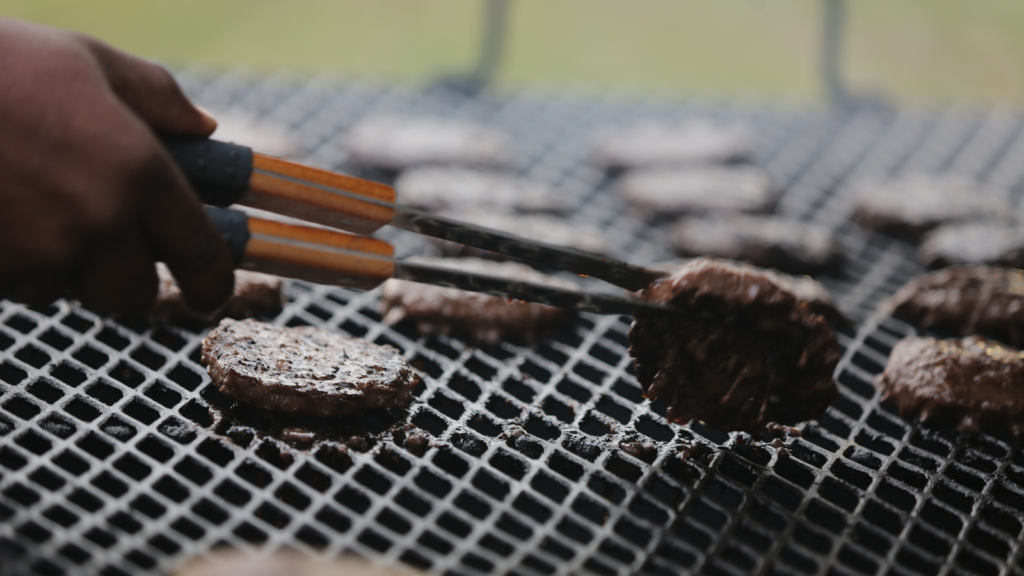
(913, 50)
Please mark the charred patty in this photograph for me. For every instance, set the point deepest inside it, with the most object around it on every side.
(664, 193)
(483, 318)
(438, 188)
(255, 294)
(398, 142)
(972, 383)
(652, 144)
(743, 352)
(973, 243)
(765, 241)
(807, 290)
(910, 206)
(540, 227)
(965, 300)
(305, 370)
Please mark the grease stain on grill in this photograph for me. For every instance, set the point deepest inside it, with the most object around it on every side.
(58, 426)
(486, 426)
(118, 428)
(586, 448)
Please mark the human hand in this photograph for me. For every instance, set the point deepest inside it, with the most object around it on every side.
(89, 199)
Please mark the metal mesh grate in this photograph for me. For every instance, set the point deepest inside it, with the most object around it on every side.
(108, 464)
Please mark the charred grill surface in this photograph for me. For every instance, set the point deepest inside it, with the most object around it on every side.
(539, 460)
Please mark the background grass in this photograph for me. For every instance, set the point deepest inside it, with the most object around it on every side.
(913, 50)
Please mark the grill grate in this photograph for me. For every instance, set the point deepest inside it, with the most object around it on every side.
(108, 464)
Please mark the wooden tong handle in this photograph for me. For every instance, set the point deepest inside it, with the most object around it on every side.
(313, 254)
(224, 174)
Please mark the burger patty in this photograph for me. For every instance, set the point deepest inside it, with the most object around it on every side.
(305, 370)
(765, 241)
(255, 294)
(398, 142)
(650, 144)
(664, 193)
(965, 300)
(909, 207)
(438, 188)
(540, 227)
(483, 318)
(974, 243)
(973, 383)
(743, 352)
(807, 290)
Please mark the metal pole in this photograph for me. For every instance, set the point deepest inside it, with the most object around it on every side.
(492, 47)
(493, 42)
(831, 51)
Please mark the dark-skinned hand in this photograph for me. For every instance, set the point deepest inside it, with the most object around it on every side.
(89, 200)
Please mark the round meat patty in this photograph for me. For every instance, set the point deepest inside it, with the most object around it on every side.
(400, 142)
(973, 243)
(665, 193)
(255, 294)
(438, 188)
(910, 206)
(483, 318)
(233, 563)
(806, 289)
(744, 351)
(654, 144)
(965, 300)
(540, 227)
(765, 241)
(971, 383)
(305, 370)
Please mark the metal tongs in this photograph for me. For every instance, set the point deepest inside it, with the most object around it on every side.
(224, 174)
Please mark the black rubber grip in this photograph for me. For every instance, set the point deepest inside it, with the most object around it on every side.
(218, 171)
(234, 226)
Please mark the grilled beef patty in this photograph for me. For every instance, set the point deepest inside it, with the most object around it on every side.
(395, 143)
(255, 294)
(909, 207)
(234, 563)
(664, 193)
(744, 351)
(305, 370)
(807, 290)
(972, 383)
(965, 300)
(438, 188)
(651, 144)
(977, 243)
(483, 318)
(540, 227)
(765, 241)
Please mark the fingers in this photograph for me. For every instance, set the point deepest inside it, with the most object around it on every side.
(151, 92)
(182, 236)
(176, 226)
(121, 278)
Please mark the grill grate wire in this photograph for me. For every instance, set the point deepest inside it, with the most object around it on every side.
(108, 464)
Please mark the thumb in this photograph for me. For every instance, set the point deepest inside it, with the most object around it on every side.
(151, 92)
